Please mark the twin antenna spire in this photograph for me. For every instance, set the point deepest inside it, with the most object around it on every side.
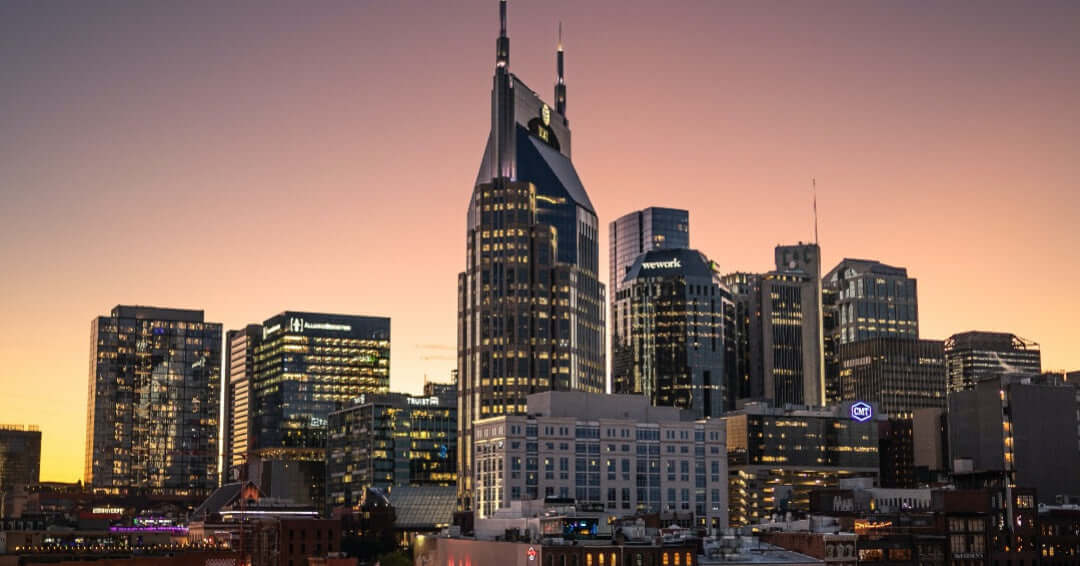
(502, 59)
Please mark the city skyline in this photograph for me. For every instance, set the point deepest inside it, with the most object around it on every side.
(122, 171)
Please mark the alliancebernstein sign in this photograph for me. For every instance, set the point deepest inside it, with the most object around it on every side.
(673, 263)
(300, 325)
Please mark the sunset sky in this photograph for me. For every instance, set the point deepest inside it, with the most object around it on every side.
(251, 157)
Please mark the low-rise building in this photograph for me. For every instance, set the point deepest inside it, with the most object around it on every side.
(615, 452)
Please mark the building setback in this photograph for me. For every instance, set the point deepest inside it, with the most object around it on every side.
(153, 403)
(531, 308)
(392, 440)
(616, 452)
(900, 375)
(305, 364)
(673, 333)
(971, 357)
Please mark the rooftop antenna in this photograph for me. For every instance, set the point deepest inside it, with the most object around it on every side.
(813, 181)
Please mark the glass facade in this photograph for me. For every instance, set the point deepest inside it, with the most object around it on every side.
(305, 364)
(154, 400)
(673, 327)
(392, 439)
(777, 457)
(20, 458)
(531, 308)
(633, 234)
(971, 357)
(897, 374)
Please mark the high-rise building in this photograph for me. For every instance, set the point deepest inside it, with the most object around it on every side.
(531, 308)
(633, 234)
(746, 377)
(154, 402)
(873, 300)
(779, 347)
(791, 321)
(865, 299)
(615, 452)
(898, 374)
(392, 439)
(673, 332)
(1024, 432)
(971, 357)
(239, 404)
(777, 456)
(20, 465)
(305, 364)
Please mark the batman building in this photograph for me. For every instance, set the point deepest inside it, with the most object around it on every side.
(530, 303)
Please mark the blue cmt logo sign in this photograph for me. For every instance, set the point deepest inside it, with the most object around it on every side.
(861, 411)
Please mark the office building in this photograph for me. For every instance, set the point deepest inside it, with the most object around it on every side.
(633, 234)
(673, 332)
(777, 456)
(1022, 431)
(791, 320)
(614, 452)
(900, 375)
(154, 400)
(389, 440)
(865, 299)
(20, 466)
(747, 375)
(239, 407)
(306, 364)
(896, 452)
(873, 300)
(971, 357)
(779, 330)
(531, 308)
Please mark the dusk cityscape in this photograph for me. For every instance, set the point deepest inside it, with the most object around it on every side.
(540, 283)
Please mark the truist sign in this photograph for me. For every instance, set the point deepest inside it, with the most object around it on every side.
(861, 411)
(673, 263)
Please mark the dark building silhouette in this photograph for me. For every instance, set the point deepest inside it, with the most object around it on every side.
(531, 308)
(1019, 431)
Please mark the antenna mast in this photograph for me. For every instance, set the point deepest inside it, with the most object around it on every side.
(813, 181)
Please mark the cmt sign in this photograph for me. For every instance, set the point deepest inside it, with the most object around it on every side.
(861, 411)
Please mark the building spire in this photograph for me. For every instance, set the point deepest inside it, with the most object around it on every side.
(502, 45)
(560, 82)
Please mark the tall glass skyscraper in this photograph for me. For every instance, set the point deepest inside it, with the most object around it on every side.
(530, 302)
(633, 234)
(305, 364)
(152, 412)
(674, 326)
